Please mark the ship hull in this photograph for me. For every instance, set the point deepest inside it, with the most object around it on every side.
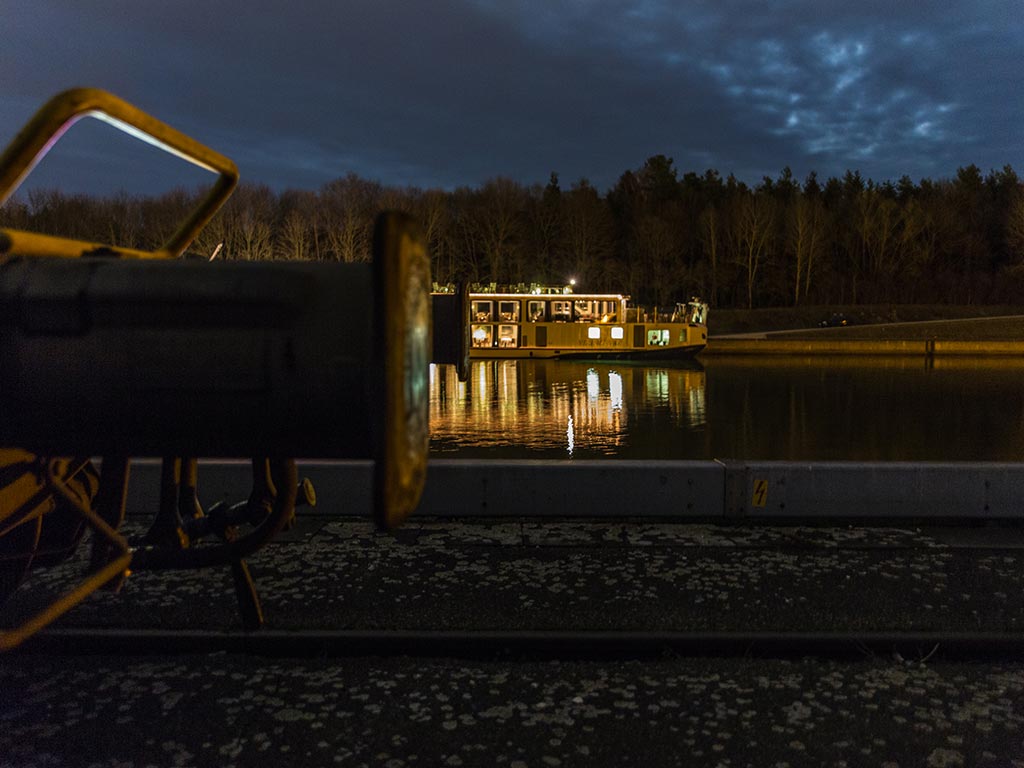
(548, 353)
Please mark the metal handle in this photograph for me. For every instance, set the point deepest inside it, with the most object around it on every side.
(64, 110)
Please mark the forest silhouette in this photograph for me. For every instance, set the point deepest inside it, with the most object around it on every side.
(655, 235)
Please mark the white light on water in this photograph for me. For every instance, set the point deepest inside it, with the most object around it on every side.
(569, 436)
(615, 390)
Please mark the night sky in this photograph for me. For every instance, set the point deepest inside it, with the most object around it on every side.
(454, 92)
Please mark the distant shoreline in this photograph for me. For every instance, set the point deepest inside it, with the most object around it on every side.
(879, 347)
(729, 321)
(889, 324)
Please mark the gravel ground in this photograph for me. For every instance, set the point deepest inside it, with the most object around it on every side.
(668, 709)
(222, 710)
(503, 575)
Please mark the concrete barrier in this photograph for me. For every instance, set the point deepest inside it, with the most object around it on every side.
(875, 490)
(1001, 348)
(815, 347)
(725, 490)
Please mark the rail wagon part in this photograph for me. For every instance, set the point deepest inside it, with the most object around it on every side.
(117, 353)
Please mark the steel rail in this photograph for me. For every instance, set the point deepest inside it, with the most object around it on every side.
(908, 647)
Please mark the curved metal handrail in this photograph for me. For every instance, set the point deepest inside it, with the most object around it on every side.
(55, 118)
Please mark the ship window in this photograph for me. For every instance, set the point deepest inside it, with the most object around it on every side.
(657, 337)
(536, 311)
(508, 335)
(482, 311)
(561, 310)
(617, 332)
(585, 310)
(483, 335)
(593, 332)
(608, 311)
(509, 311)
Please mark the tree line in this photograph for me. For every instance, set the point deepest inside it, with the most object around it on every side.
(655, 235)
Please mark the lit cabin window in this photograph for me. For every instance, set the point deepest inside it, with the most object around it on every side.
(536, 311)
(594, 332)
(508, 336)
(658, 337)
(561, 311)
(482, 311)
(509, 311)
(608, 311)
(585, 311)
(617, 332)
(483, 335)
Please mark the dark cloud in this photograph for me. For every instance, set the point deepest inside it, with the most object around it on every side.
(454, 92)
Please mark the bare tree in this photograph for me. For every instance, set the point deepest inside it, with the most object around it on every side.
(542, 227)
(709, 230)
(431, 209)
(215, 237)
(466, 243)
(14, 214)
(349, 236)
(658, 248)
(295, 237)
(754, 223)
(350, 206)
(254, 241)
(124, 220)
(806, 236)
(298, 234)
(497, 220)
(1015, 225)
(919, 244)
(877, 222)
(588, 233)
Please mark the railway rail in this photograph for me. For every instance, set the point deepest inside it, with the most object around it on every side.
(911, 647)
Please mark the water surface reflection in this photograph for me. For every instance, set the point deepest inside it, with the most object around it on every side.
(560, 408)
(841, 408)
(853, 408)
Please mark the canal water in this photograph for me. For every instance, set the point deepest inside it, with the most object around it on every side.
(819, 408)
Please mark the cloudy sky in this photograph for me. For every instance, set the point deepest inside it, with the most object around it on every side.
(444, 93)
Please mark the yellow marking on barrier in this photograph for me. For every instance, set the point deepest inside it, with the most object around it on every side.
(760, 493)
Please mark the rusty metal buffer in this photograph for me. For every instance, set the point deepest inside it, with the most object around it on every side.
(117, 353)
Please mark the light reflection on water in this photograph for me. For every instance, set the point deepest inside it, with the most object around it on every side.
(839, 408)
(557, 409)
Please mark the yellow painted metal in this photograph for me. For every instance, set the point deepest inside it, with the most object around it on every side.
(16, 242)
(403, 336)
(111, 570)
(397, 375)
(60, 113)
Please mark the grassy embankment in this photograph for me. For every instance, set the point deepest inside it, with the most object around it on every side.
(902, 322)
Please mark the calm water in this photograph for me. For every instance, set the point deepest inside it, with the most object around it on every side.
(893, 409)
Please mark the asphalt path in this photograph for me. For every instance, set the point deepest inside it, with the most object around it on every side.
(486, 700)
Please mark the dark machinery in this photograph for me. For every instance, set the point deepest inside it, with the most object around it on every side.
(112, 353)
